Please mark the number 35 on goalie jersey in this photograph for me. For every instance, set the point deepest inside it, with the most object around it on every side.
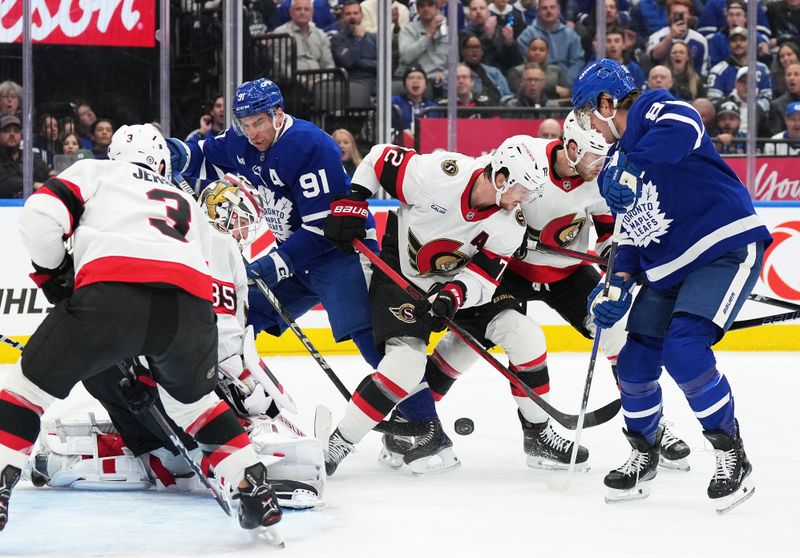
(440, 236)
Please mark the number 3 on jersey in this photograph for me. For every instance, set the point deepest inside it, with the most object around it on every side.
(179, 216)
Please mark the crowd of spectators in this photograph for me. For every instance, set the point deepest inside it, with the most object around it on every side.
(512, 53)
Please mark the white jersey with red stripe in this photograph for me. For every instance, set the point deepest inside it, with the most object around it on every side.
(228, 292)
(442, 238)
(128, 225)
(561, 219)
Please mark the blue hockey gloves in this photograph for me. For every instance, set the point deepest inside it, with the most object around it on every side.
(178, 155)
(56, 284)
(347, 221)
(608, 310)
(622, 184)
(272, 268)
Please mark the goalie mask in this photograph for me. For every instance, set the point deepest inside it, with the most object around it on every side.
(591, 148)
(515, 159)
(234, 207)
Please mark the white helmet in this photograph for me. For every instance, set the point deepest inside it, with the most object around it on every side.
(515, 157)
(591, 143)
(141, 144)
(233, 205)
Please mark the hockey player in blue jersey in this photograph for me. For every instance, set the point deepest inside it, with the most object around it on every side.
(691, 236)
(298, 169)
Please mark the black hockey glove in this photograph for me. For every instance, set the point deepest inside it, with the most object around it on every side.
(56, 284)
(347, 220)
(442, 301)
(138, 387)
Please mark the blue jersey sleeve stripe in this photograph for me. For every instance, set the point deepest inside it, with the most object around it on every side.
(694, 251)
(315, 230)
(316, 216)
(686, 120)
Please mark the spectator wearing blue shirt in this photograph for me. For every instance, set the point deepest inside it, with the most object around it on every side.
(354, 49)
(407, 105)
(723, 76)
(563, 42)
(712, 17)
(735, 16)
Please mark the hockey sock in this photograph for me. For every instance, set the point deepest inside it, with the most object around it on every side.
(690, 361)
(638, 370)
(533, 374)
(20, 421)
(419, 405)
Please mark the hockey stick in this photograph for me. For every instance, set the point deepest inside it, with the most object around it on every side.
(8, 341)
(383, 426)
(557, 250)
(570, 422)
(766, 320)
(774, 301)
(587, 386)
(215, 491)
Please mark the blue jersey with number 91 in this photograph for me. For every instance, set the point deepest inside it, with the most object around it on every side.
(299, 175)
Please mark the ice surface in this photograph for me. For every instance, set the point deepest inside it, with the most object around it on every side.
(492, 505)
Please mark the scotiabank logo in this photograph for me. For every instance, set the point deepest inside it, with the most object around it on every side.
(82, 22)
(781, 272)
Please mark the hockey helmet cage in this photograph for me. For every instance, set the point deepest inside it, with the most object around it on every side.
(234, 206)
(515, 159)
(141, 144)
(591, 143)
(255, 97)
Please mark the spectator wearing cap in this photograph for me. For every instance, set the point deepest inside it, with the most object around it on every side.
(424, 42)
(354, 48)
(564, 44)
(739, 96)
(679, 29)
(792, 132)
(497, 38)
(722, 79)
(487, 79)
(550, 128)
(792, 95)
(735, 18)
(729, 122)
(784, 19)
(11, 160)
(407, 105)
(10, 99)
(712, 17)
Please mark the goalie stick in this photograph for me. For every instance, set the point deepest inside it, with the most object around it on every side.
(594, 418)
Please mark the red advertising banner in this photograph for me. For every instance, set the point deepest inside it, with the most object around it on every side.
(777, 178)
(129, 23)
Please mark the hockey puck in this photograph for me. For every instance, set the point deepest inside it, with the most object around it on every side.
(464, 426)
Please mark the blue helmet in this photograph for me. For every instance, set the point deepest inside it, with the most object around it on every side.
(601, 76)
(255, 97)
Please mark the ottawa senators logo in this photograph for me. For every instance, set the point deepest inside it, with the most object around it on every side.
(562, 231)
(404, 313)
(440, 256)
(518, 215)
(449, 167)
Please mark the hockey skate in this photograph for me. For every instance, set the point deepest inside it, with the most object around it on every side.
(674, 451)
(546, 449)
(337, 449)
(395, 447)
(258, 508)
(432, 452)
(731, 484)
(632, 480)
(8, 479)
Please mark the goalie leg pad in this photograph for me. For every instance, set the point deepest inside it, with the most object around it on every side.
(298, 477)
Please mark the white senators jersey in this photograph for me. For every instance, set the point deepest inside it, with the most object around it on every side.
(561, 218)
(441, 238)
(128, 225)
(228, 292)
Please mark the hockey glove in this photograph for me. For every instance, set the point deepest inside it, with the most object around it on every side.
(347, 221)
(244, 394)
(622, 184)
(178, 155)
(138, 387)
(608, 310)
(272, 268)
(56, 284)
(443, 300)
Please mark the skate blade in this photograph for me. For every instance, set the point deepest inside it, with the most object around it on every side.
(550, 465)
(390, 460)
(442, 462)
(681, 464)
(638, 492)
(270, 535)
(727, 503)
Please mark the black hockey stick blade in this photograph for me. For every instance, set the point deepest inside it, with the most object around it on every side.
(568, 421)
(774, 301)
(766, 320)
